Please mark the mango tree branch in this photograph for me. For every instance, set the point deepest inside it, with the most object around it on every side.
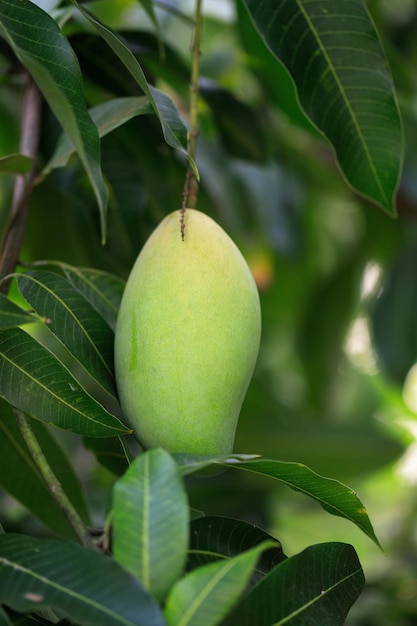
(52, 482)
(189, 199)
(29, 139)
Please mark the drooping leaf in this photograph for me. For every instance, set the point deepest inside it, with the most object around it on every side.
(34, 381)
(333, 496)
(316, 587)
(150, 521)
(173, 128)
(21, 479)
(73, 320)
(343, 84)
(107, 116)
(15, 164)
(205, 596)
(85, 586)
(45, 52)
(12, 315)
(213, 538)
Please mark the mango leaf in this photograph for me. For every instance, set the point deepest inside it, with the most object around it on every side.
(102, 290)
(107, 116)
(4, 619)
(110, 452)
(51, 61)
(12, 315)
(85, 586)
(213, 538)
(205, 596)
(333, 496)
(173, 128)
(21, 479)
(73, 321)
(334, 55)
(15, 164)
(316, 587)
(150, 521)
(34, 381)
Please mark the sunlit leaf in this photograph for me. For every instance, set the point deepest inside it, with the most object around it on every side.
(334, 55)
(85, 586)
(150, 521)
(205, 596)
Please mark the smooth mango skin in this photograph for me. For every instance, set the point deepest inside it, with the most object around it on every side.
(187, 337)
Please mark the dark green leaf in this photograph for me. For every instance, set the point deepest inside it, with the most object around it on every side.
(214, 538)
(150, 521)
(334, 55)
(334, 497)
(102, 290)
(87, 587)
(4, 619)
(12, 315)
(110, 452)
(173, 128)
(15, 164)
(47, 55)
(205, 596)
(35, 382)
(20, 477)
(73, 320)
(107, 116)
(316, 587)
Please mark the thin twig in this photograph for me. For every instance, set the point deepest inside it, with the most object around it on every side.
(29, 139)
(189, 196)
(52, 482)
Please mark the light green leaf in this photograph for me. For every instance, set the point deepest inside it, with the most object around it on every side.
(150, 521)
(334, 55)
(34, 381)
(47, 55)
(85, 586)
(205, 596)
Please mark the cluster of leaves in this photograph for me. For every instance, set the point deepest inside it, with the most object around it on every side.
(56, 346)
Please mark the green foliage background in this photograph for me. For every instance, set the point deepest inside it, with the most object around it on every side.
(334, 386)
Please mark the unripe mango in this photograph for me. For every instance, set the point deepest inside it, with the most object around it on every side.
(187, 337)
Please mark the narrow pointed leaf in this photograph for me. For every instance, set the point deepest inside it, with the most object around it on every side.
(85, 586)
(206, 595)
(102, 290)
(173, 128)
(150, 521)
(20, 477)
(333, 53)
(34, 381)
(15, 164)
(47, 55)
(73, 320)
(333, 496)
(107, 116)
(213, 538)
(316, 587)
(12, 315)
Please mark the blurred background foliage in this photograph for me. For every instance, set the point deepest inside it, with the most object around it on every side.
(336, 381)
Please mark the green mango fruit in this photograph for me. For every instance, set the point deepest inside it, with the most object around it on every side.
(187, 337)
